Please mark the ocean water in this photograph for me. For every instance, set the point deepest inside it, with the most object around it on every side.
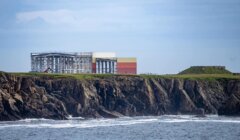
(167, 127)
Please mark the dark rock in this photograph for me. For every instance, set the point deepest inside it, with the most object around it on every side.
(57, 98)
(200, 112)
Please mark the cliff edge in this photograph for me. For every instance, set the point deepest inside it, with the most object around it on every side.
(113, 96)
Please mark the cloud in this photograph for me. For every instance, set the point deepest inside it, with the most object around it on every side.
(107, 17)
(53, 17)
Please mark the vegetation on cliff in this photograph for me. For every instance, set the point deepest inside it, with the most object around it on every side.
(100, 76)
(206, 70)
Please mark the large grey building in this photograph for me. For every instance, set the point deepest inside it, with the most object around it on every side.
(83, 62)
(62, 62)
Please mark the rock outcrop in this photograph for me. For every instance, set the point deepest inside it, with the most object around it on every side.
(114, 96)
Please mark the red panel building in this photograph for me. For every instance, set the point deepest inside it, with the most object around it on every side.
(114, 65)
(126, 66)
(94, 67)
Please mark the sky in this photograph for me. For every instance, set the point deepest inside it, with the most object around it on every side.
(166, 36)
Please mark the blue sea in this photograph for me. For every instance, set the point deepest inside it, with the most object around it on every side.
(167, 127)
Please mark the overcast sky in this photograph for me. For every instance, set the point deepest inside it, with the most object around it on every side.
(166, 36)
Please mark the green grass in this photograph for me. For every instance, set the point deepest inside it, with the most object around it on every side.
(194, 76)
(205, 70)
(147, 76)
(75, 76)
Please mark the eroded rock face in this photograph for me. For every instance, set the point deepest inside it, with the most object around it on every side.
(44, 97)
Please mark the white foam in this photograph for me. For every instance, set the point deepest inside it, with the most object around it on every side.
(75, 118)
(32, 119)
(83, 123)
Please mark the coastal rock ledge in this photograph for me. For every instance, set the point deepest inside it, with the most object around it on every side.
(113, 96)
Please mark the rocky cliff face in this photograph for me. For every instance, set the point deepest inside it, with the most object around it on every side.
(56, 98)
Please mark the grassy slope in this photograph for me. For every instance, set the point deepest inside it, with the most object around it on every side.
(196, 76)
(204, 70)
(93, 76)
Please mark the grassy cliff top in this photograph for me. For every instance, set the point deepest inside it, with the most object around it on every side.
(195, 76)
(101, 76)
(206, 70)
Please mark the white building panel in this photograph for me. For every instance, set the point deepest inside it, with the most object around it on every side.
(104, 54)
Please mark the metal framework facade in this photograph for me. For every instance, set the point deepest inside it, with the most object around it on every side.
(106, 65)
(62, 62)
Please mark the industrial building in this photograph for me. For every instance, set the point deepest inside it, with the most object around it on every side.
(83, 62)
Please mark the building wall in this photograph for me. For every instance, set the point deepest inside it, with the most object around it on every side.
(104, 62)
(105, 65)
(82, 62)
(94, 67)
(61, 62)
(126, 66)
(104, 55)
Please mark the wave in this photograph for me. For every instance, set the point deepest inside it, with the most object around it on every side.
(34, 119)
(75, 118)
(80, 122)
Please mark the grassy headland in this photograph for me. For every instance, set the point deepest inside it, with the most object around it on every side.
(206, 70)
(101, 76)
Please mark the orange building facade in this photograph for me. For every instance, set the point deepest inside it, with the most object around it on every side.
(126, 66)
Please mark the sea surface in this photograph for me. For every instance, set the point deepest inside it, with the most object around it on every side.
(167, 127)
